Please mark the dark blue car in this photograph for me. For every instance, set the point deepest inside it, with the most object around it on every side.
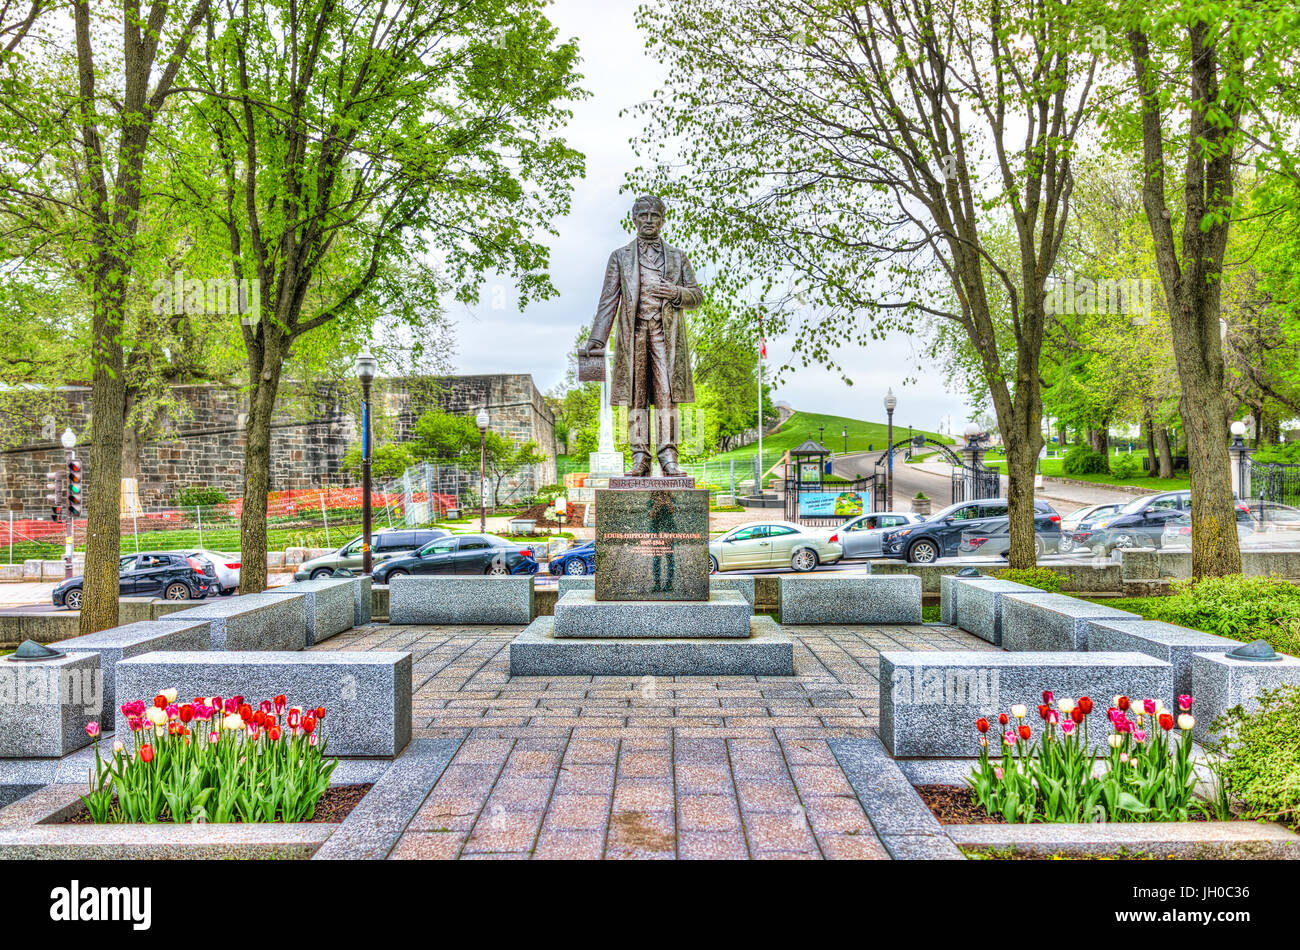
(576, 561)
(942, 534)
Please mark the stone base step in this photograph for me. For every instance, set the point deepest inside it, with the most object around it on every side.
(767, 651)
(725, 614)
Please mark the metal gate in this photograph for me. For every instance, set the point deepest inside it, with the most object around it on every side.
(1275, 482)
(971, 484)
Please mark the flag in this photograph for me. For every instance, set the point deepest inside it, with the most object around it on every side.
(762, 348)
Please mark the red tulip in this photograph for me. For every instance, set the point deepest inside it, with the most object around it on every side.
(1166, 721)
(259, 718)
(264, 706)
(1085, 704)
(308, 724)
(245, 712)
(982, 724)
(1043, 711)
(320, 712)
(1122, 703)
(295, 717)
(1076, 715)
(160, 701)
(279, 704)
(273, 733)
(186, 712)
(146, 753)
(1025, 732)
(1047, 697)
(239, 701)
(1002, 719)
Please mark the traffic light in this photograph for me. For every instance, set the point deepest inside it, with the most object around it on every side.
(74, 488)
(52, 496)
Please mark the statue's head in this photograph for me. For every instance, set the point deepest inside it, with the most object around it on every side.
(648, 216)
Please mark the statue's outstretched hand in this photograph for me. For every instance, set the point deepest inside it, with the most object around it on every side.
(592, 348)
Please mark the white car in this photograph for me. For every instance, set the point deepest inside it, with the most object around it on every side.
(1087, 513)
(860, 536)
(225, 566)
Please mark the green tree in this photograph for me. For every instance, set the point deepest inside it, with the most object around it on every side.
(845, 159)
(386, 461)
(353, 142)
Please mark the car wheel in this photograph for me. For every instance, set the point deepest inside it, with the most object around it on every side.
(398, 572)
(1039, 549)
(575, 567)
(176, 591)
(1124, 540)
(923, 552)
(226, 591)
(804, 560)
(72, 599)
(713, 564)
(497, 569)
(321, 572)
(1066, 546)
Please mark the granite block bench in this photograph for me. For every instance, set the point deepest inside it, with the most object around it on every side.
(45, 705)
(929, 700)
(975, 604)
(132, 639)
(1165, 641)
(366, 695)
(460, 599)
(846, 599)
(1220, 682)
(253, 621)
(1051, 622)
(330, 605)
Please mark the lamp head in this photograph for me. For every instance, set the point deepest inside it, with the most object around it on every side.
(367, 367)
(1238, 428)
(482, 419)
(891, 401)
(68, 440)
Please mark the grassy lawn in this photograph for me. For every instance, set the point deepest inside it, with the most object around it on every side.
(1052, 468)
(862, 435)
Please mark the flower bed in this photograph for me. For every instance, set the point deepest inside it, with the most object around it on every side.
(212, 760)
(1148, 774)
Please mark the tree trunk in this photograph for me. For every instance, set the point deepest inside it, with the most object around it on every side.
(1022, 453)
(1166, 454)
(257, 474)
(103, 478)
(1149, 434)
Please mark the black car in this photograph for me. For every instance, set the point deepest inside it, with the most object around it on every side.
(1141, 522)
(941, 534)
(461, 554)
(148, 574)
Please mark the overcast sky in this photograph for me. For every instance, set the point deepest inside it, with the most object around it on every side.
(495, 337)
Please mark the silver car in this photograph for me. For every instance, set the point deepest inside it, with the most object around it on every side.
(224, 566)
(860, 536)
(1087, 513)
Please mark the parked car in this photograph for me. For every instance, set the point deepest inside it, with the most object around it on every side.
(1177, 532)
(224, 566)
(772, 544)
(860, 536)
(1140, 523)
(167, 574)
(940, 535)
(384, 545)
(576, 561)
(1080, 516)
(461, 554)
(993, 539)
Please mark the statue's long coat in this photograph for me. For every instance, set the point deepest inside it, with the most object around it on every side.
(618, 299)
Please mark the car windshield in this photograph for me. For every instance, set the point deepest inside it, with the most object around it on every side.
(1078, 513)
(1138, 504)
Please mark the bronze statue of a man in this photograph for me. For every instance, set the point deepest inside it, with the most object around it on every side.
(649, 285)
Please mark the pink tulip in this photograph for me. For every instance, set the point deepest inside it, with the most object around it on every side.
(1009, 738)
(1150, 706)
(1184, 702)
(213, 738)
(1047, 697)
(1139, 735)
(997, 770)
(264, 705)
(1053, 718)
(172, 711)
(314, 739)
(92, 728)
(1068, 726)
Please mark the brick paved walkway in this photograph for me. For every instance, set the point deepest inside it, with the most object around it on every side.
(657, 767)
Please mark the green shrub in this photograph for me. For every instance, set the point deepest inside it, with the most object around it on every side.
(195, 495)
(1125, 466)
(1288, 453)
(1044, 578)
(1238, 607)
(1260, 768)
(1082, 460)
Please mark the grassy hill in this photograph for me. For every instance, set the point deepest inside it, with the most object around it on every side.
(862, 435)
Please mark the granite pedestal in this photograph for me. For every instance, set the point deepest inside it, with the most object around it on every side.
(1041, 621)
(253, 621)
(767, 651)
(45, 705)
(652, 545)
(976, 604)
(460, 599)
(366, 695)
(148, 636)
(929, 700)
(724, 614)
(1219, 683)
(330, 605)
(846, 599)
(742, 584)
(1165, 641)
(363, 600)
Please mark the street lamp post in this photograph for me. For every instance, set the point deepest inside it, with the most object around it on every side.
(482, 419)
(845, 433)
(367, 367)
(891, 403)
(69, 442)
(1241, 460)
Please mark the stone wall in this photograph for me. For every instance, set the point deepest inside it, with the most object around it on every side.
(312, 430)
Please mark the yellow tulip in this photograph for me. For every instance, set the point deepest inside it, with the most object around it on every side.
(1065, 705)
(169, 695)
(156, 716)
(232, 722)
(1186, 721)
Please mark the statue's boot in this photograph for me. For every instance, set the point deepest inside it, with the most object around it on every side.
(668, 463)
(638, 437)
(666, 436)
